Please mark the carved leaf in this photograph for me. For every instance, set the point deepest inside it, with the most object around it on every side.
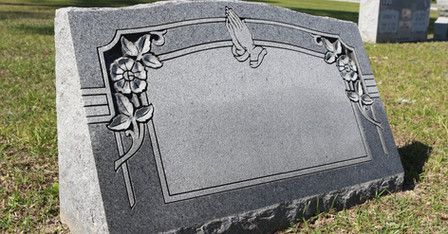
(143, 44)
(330, 57)
(120, 122)
(366, 100)
(338, 47)
(124, 105)
(360, 90)
(353, 96)
(128, 47)
(353, 66)
(151, 61)
(328, 45)
(144, 114)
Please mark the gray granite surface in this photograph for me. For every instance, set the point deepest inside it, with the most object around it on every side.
(79, 190)
(214, 116)
(269, 219)
(394, 20)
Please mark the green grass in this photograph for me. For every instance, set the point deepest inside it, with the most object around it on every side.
(412, 78)
(344, 11)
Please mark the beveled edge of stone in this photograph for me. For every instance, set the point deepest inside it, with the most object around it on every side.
(279, 216)
(81, 205)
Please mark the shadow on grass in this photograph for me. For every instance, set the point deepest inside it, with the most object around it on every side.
(413, 157)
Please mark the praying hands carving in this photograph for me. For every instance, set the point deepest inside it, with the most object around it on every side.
(243, 43)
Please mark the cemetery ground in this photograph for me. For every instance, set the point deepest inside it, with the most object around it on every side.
(412, 79)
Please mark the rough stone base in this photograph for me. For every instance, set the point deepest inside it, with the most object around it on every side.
(279, 216)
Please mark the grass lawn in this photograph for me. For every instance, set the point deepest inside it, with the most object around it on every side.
(412, 79)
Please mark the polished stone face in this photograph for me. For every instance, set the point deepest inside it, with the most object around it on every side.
(394, 20)
(262, 125)
(214, 115)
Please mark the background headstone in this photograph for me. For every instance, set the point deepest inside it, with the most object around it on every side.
(214, 116)
(442, 8)
(394, 20)
(441, 24)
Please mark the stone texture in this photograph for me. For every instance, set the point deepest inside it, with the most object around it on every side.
(79, 191)
(214, 116)
(394, 20)
(269, 219)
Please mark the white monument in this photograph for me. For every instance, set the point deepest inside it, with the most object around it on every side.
(394, 20)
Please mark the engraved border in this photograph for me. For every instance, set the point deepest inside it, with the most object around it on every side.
(170, 197)
(207, 46)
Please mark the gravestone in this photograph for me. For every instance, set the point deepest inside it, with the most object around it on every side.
(394, 20)
(442, 7)
(441, 24)
(214, 116)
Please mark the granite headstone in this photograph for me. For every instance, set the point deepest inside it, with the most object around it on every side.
(394, 20)
(214, 116)
(441, 24)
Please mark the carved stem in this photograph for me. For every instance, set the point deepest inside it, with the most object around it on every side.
(144, 99)
(363, 112)
(126, 173)
(136, 129)
(347, 86)
(136, 144)
(380, 134)
(128, 183)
